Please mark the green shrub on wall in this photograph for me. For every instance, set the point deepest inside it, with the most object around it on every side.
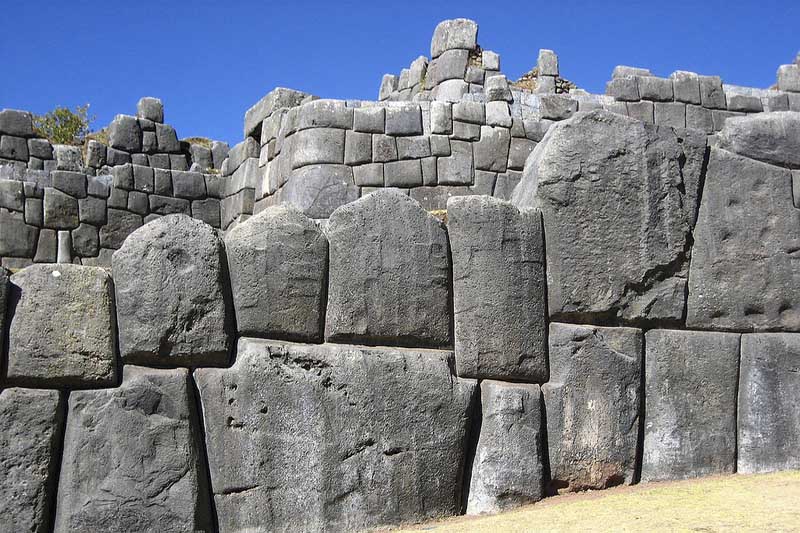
(63, 125)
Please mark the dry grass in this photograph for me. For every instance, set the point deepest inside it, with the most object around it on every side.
(767, 502)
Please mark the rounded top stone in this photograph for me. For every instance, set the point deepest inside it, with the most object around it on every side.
(454, 34)
(772, 138)
(150, 108)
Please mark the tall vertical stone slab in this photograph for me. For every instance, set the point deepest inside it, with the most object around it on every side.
(508, 467)
(389, 280)
(132, 457)
(278, 262)
(173, 301)
(4, 275)
(593, 405)
(690, 404)
(31, 426)
(330, 437)
(769, 403)
(498, 289)
(617, 198)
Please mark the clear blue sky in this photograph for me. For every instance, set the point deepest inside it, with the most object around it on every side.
(210, 61)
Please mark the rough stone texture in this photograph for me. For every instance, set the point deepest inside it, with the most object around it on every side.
(769, 403)
(593, 402)
(690, 404)
(334, 438)
(498, 289)
(278, 262)
(120, 224)
(744, 273)
(172, 295)
(132, 458)
(317, 190)
(60, 210)
(61, 329)
(769, 137)
(454, 34)
(389, 278)
(150, 108)
(618, 201)
(507, 470)
(31, 423)
(124, 133)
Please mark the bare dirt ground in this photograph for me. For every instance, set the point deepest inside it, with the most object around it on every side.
(766, 502)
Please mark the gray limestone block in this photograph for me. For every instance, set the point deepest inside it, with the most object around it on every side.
(776, 102)
(451, 65)
(138, 203)
(402, 173)
(611, 220)
(35, 163)
(95, 154)
(369, 119)
(471, 112)
(491, 152)
(277, 98)
(622, 71)
(672, 114)
(189, 185)
(624, 89)
(505, 184)
(47, 247)
(794, 101)
(404, 120)
(429, 171)
(64, 250)
(14, 148)
(498, 287)
(464, 131)
(118, 198)
(369, 175)
(143, 178)
(241, 152)
(325, 114)
(71, 183)
(167, 139)
(384, 148)
(712, 95)
(458, 168)
(42, 148)
(12, 195)
(413, 147)
(119, 225)
(450, 91)
(144, 469)
(150, 108)
(34, 213)
(31, 426)
(557, 106)
(318, 146)
(162, 182)
(497, 89)
(92, 210)
(769, 137)
(644, 111)
(535, 130)
(789, 78)
(357, 148)
(17, 123)
(85, 241)
(364, 437)
(744, 103)
(215, 186)
(690, 404)
(719, 118)
(60, 210)
(546, 85)
(146, 124)
(699, 118)
(123, 177)
(547, 63)
(454, 34)
(384, 249)
(490, 60)
(417, 71)
(61, 332)
(149, 145)
(498, 114)
(278, 261)
(441, 118)
(475, 75)
(440, 145)
(178, 162)
(744, 274)
(508, 468)
(317, 190)
(769, 403)
(124, 133)
(207, 210)
(219, 151)
(686, 87)
(520, 149)
(201, 156)
(17, 239)
(389, 84)
(116, 157)
(593, 405)
(172, 294)
(656, 89)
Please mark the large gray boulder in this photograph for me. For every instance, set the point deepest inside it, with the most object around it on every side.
(333, 437)
(31, 426)
(690, 404)
(498, 289)
(745, 272)
(389, 278)
(4, 275)
(769, 403)
(173, 301)
(61, 328)
(508, 468)
(593, 404)
(454, 34)
(769, 137)
(132, 458)
(278, 262)
(618, 199)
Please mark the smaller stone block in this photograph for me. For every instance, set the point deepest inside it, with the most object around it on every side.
(623, 89)
(384, 148)
(357, 148)
(547, 63)
(643, 111)
(404, 120)
(150, 108)
(557, 107)
(403, 174)
(369, 119)
(672, 114)
(124, 133)
(457, 169)
(712, 96)
(60, 210)
(452, 35)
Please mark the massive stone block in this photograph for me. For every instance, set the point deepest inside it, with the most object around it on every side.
(498, 289)
(317, 190)
(769, 137)
(61, 327)
(173, 301)
(769, 403)
(508, 467)
(745, 272)
(593, 404)
(389, 278)
(452, 35)
(4, 274)
(690, 404)
(31, 423)
(17, 239)
(618, 201)
(132, 458)
(334, 437)
(278, 263)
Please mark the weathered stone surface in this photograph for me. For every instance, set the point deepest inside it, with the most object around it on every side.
(61, 331)
(402, 173)
(15, 122)
(690, 404)
(769, 137)
(317, 190)
(789, 78)
(12, 195)
(150, 108)
(17, 239)
(498, 289)
(31, 423)
(686, 86)
(318, 145)
(132, 458)
(278, 262)
(124, 133)
(13, 148)
(769, 403)
(618, 199)
(623, 89)
(173, 301)
(593, 402)
(657, 89)
(404, 120)
(275, 99)
(452, 64)
(454, 34)
(458, 168)
(120, 224)
(508, 467)
(332, 437)
(557, 106)
(491, 152)
(60, 210)
(745, 273)
(712, 95)
(389, 278)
